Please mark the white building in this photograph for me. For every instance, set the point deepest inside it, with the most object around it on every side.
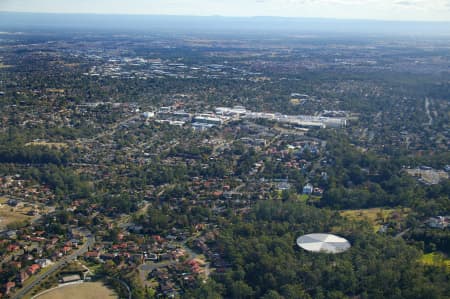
(308, 189)
(235, 111)
(207, 119)
(148, 114)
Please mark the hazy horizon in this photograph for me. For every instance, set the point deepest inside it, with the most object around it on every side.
(405, 10)
(217, 24)
(224, 16)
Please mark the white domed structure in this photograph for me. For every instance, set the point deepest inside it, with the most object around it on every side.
(327, 243)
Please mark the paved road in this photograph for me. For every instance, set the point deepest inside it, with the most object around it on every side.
(110, 131)
(401, 234)
(125, 285)
(152, 266)
(64, 261)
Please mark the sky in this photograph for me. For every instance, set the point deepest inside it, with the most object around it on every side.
(399, 10)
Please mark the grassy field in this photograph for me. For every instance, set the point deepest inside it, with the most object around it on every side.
(311, 198)
(435, 259)
(376, 216)
(57, 145)
(55, 90)
(87, 290)
(10, 215)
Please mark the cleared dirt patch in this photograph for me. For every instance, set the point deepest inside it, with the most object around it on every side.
(86, 290)
(10, 214)
(428, 176)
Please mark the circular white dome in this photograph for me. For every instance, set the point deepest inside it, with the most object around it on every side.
(327, 243)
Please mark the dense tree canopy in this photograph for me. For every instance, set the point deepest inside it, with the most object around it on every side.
(266, 262)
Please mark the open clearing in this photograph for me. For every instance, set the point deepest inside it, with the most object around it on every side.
(10, 214)
(57, 145)
(428, 176)
(86, 290)
(2, 66)
(376, 216)
(435, 259)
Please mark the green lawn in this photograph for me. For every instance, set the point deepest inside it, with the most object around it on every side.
(376, 216)
(435, 259)
(303, 197)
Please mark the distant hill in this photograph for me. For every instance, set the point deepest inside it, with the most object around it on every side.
(216, 24)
